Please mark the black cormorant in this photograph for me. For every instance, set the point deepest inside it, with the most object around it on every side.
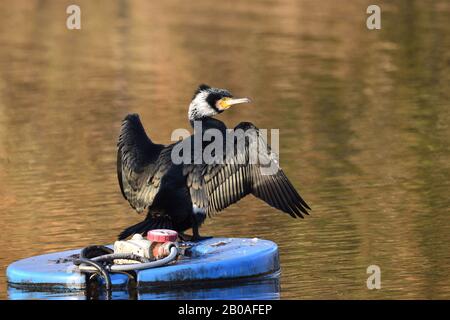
(179, 196)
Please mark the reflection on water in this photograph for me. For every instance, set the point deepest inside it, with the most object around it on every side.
(266, 288)
(363, 116)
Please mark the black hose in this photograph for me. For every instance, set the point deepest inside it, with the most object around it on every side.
(101, 258)
(95, 251)
(99, 268)
(90, 252)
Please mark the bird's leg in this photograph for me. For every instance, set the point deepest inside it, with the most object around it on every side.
(194, 238)
(196, 235)
(184, 237)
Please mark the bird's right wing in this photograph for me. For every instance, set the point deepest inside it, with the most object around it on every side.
(213, 187)
(140, 164)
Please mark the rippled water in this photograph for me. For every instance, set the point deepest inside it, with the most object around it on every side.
(363, 116)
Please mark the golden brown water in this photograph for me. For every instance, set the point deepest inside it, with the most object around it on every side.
(363, 115)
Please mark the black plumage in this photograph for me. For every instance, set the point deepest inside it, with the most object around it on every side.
(180, 196)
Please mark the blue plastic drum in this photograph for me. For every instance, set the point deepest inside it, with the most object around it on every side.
(217, 268)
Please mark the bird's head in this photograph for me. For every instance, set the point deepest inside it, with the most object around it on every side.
(208, 102)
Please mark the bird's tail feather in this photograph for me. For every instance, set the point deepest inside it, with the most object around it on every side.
(144, 226)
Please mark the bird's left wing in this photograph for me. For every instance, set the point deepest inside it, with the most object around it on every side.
(141, 164)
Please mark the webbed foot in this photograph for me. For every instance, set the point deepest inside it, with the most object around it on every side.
(193, 238)
(200, 238)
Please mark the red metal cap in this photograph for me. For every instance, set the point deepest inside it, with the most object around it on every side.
(162, 235)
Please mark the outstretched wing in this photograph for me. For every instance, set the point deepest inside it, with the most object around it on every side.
(213, 187)
(140, 164)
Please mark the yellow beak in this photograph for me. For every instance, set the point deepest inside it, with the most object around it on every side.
(225, 103)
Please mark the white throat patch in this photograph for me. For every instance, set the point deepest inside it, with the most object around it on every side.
(199, 107)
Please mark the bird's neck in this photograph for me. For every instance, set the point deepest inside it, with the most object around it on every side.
(206, 123)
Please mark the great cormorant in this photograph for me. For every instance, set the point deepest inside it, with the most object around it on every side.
(179, 196)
